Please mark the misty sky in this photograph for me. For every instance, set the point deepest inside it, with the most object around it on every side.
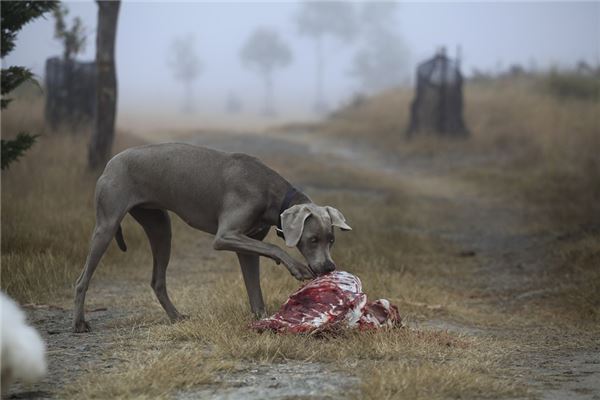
(492, 35)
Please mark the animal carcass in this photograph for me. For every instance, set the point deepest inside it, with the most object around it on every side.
(328, 303)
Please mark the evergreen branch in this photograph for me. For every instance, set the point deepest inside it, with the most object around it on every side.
(13, 149)
(13, 77)
(15, 14)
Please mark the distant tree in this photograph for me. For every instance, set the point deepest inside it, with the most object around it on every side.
(186, 67)
(74, 39)
(381, 60)
(106, 85)
(263, 52)
(15, 14)
(318, 20)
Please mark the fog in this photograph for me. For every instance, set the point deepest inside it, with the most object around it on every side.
(491, 36)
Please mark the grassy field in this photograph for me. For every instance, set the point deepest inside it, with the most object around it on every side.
(47, 219)
(531, 138)
(533, 142)
(400, 248)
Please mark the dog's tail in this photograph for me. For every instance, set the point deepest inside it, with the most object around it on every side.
(120, 240)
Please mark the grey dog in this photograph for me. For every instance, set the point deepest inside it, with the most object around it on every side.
(233, 196)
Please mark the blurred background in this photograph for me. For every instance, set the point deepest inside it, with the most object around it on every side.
(368, 48)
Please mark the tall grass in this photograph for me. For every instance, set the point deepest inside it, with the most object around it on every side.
(47, 207)
(566, 85)
(47, 220)
(544, 151)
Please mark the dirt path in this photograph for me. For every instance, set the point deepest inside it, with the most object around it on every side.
(479, 222)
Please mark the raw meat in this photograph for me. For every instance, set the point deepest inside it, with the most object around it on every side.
(328, 303)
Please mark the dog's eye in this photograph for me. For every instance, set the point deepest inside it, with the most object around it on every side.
(331, 240)
(314, 239)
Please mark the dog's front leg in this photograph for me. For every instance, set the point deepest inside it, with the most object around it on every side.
(250, 265)
(240, 243)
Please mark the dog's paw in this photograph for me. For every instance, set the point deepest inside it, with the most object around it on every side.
(260, 315)
(299, 271)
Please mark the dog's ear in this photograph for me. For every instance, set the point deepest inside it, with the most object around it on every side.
(292, 223)
(337, 219)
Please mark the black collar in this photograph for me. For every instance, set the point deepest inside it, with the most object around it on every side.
(285, 204)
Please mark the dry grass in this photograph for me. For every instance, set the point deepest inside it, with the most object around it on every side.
(424, 381)
(541, 148)
(550, 149)
(527, 148)
(47, 210)
(409, 270)
(47, 218)
(394, 363)
(573, 287)
(550, 146)
(379, 121)
(151, 374)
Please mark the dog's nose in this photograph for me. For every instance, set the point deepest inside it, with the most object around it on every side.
(329, 267)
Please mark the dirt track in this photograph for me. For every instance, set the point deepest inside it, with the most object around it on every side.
(480, 222)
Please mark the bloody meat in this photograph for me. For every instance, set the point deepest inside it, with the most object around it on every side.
(330, 302)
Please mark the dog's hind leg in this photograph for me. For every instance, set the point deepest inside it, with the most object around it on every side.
(103, 233)
(157, 225)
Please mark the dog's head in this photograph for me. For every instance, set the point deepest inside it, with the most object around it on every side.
(310, 228)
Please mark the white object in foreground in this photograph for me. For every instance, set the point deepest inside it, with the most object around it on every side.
(22, 350)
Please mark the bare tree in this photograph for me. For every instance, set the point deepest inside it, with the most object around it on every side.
(106, 84)
(265, 51)
(70, 85)
(186, 67)
(74, 39)
(319, 19)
